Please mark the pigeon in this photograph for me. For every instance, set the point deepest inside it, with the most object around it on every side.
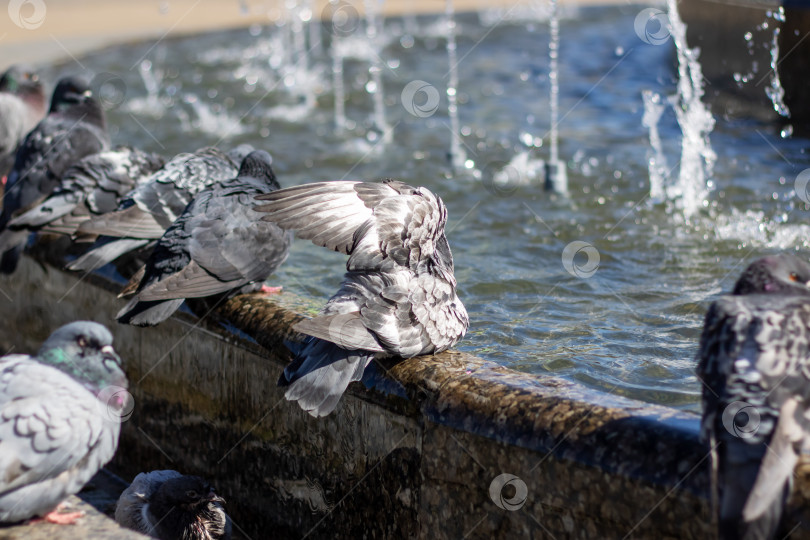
(74, 128)
(90, 187)
(217, 245)
(171, 506)
(398, 297)
(146, 212)
(60, 416)
(754, 363)
(22, 106)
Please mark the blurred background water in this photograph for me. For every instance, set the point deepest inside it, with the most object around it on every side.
(622, 309)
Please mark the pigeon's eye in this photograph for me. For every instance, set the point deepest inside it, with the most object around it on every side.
(191, 494)
(793, 276)
(82, 341)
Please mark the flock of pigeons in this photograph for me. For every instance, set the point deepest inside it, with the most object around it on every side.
(208, 224)
(215, 224)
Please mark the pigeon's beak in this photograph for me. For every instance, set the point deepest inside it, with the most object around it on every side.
(213, 497)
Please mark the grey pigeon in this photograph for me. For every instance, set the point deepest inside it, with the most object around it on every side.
(171, 506)
(754, 363)
(217, 245)
(22, 106)
(90, 187)
(59, 419)
(398, 297)
(148, 210)
(74, 128)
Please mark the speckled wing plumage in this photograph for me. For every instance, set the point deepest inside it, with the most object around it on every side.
(132, 509)
(58, 141)
(148, 210)
(54, 437)
(398, 297)
(217, 245)
(90, 187)
(754, 362)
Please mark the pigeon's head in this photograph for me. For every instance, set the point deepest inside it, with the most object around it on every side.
(188, 493)
(776, 274)
(83, 350)
(257, 165)
(71, 91)
(238, 154)
(20, 80)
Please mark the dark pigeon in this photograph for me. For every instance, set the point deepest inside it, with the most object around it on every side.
(22, 106)
(398, 297)
(90, 187)
(74, 128)
(217, 245)
(60, 416)
(148, 210)
(754, 362)
(169, 506)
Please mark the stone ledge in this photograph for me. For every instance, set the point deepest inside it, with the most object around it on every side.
(410, 453)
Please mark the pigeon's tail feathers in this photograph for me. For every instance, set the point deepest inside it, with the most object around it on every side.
(106, 251)
(755, 481)
(139, 313)
(320, 374)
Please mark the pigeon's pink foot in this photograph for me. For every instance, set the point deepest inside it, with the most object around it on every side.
(270, 290)
(3, 180)
(60, 518)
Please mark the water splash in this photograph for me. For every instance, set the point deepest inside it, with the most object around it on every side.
(212, 120)
(775, 91)
(691, 189)
(458, 157)
(657, 162)
(151, 104)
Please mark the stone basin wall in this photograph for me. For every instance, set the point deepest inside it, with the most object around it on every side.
(412, 453)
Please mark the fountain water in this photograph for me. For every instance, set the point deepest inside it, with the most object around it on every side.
(657, 162)
(458, 157)
(775, 91)
(556, 177)
(691, 189)
(375, 85)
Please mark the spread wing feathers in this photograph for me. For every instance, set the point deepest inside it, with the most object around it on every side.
(105, 250)
(321, 373)
(132, 222)
(346, 330)
(372, 222)
(750, 361)
(49, 423)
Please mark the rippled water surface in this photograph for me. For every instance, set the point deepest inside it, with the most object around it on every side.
(632, 326)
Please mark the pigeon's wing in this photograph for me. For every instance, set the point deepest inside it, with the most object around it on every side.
(105, 250)
(55, 206)
(132, 222)
(750, 363)
(48, 423)
(327, 213)
(227, 244)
